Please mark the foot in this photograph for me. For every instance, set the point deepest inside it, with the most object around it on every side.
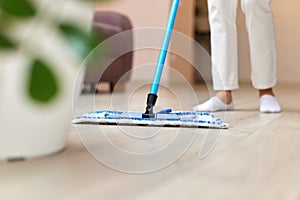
(214, 104)
(268, 101)
(269, 104)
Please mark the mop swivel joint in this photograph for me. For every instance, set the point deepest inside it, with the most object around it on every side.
(151, 100)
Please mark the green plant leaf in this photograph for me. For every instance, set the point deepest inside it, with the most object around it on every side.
(18, 8)
(6, 43)
(42, 84)
(81, 41)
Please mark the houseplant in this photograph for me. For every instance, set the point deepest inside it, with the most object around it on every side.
(42, 46)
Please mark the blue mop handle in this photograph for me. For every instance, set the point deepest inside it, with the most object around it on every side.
(164, 49)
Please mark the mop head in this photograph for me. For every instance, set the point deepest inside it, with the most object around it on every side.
(165, 118)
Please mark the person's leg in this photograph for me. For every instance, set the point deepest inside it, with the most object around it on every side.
(268, 91)
(222, 19)
(225, 96)
(260, 27)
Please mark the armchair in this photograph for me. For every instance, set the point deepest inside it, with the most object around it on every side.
(107, 24)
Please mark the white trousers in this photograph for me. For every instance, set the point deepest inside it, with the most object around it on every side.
(260, 27)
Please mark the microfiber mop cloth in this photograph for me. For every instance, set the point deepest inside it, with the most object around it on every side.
(164, 118)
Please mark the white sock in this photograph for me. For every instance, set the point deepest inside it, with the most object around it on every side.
(212, 105)
(269, 104)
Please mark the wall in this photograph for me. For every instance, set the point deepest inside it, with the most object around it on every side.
(142, 13)
(287, 26)
(154, 13)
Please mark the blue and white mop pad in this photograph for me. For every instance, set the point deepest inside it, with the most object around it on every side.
(164, 118)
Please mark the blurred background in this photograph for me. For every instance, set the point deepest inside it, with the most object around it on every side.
(193, 21)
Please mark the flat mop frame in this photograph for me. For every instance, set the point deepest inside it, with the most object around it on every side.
(165, 118)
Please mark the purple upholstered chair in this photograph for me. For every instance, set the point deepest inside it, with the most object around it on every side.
(107, 24)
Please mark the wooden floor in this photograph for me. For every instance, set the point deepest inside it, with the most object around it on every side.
(258, 157)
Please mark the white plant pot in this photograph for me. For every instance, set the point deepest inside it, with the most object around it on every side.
(29, 128)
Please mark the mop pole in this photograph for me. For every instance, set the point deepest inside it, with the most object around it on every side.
(152, 96)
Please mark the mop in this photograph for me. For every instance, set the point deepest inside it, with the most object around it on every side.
(163, 118)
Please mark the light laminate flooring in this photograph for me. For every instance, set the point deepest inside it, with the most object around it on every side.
(258, 157)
